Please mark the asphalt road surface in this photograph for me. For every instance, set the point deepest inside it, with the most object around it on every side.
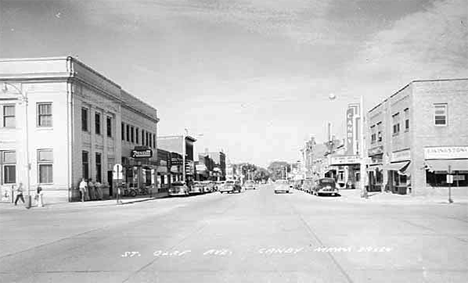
(253, 236)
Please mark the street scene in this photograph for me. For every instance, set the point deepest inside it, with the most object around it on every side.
(233, 141)
(252, 236)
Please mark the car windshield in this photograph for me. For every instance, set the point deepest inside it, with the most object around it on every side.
(327, 181)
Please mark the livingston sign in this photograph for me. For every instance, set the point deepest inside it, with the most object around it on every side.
(446, 152)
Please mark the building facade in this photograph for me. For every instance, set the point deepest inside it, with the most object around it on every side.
(63, 121)
(183, 146)
(416, 135)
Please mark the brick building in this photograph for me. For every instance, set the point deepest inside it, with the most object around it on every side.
(416, 134)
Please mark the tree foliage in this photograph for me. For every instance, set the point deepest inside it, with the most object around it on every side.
(279, 169)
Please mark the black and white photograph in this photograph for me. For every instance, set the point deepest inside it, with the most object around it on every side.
(257, 141)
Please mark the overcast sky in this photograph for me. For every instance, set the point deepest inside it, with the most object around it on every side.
(252, 76)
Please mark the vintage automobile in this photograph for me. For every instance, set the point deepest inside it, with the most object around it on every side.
(230, 186)
(282, 186)
(325, 186)
(179, 189)
(197, 188)
(208, 186)
(249, 185)
(308, 185)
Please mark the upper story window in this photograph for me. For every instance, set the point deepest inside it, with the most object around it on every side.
(406, 119)
(143, 137)
(373, 134)
(396, 124)
(122, 131)
(440, 114)
(379, 131)
(154, 140)
(132, 134)
(128, 133)
(84, 119)
(109, 126)
(9, 116)
(97, 123)
(44, 114)
(137, 137)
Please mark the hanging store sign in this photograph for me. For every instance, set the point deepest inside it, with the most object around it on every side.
(446, 152)
(142, 153)
(401, 155)
(350, 131)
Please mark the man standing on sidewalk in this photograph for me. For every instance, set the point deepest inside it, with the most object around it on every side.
(19, 193)
(83, 189)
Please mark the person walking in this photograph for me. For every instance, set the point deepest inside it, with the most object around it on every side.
(83, 190)
(98, 187)
(19, 193)
(39, 197)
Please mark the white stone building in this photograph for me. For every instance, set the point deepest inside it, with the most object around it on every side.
(61, 121)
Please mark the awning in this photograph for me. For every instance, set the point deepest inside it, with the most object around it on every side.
(398, 166)
(443, 164)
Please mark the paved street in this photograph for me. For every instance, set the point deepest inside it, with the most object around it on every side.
(254, 236)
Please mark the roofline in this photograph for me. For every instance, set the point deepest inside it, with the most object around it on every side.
(415, 81)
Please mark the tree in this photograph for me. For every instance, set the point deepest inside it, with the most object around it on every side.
(279, 169)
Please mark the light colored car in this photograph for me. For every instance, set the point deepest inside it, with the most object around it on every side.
(282, 186)
(197, 188)
(208, 186)
(249, 185)
(179, 189)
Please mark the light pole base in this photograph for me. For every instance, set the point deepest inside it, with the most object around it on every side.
(27, 202)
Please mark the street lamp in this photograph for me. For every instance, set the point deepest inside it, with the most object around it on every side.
(24, 99)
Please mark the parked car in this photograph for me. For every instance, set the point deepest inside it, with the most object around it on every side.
(208, 186)
(197, 188)
(308, 185)
(179, 189)
(249, 185)
(227, 187)
(325, 186)
(282, 186)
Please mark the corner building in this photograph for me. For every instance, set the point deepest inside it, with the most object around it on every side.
(62, 121)
(416, 135)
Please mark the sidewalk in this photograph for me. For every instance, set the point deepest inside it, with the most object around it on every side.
(98, 203)
(458, 197)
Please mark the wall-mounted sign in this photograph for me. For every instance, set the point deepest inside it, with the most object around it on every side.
(376, 150)
(346, 159)
(350, 131)
(401, 155)
(142, 153)
(446, 152)
(176, 161)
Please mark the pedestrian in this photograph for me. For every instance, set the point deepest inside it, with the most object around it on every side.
(83, 190)
(19, 193)
(39, 197)
(91, 190)
(98, 187)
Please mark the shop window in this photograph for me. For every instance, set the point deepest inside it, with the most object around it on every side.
(109, 126)
(85, 164)
(9, 120)
(84, 119)
(45, 161)
(8, 166)
(440, 114)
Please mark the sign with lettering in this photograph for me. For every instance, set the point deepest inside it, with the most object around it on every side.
(347, 159)
(401, 155)
(350, 131)
(446, 152)
(142, 153)
(375, 151)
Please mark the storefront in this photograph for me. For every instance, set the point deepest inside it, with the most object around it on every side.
(347, 170)
(176, 173)
(399, 172)
(440, 160)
